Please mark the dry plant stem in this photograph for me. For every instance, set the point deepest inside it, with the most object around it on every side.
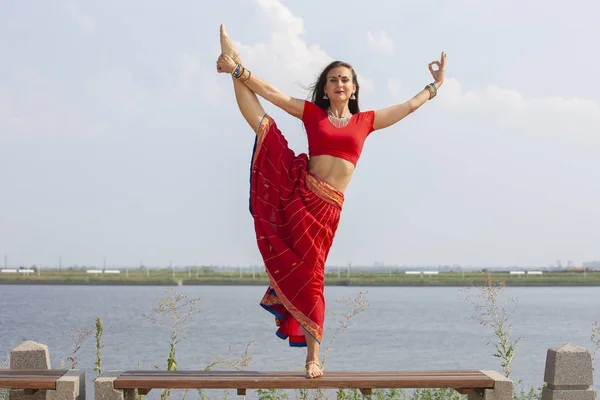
(169, 313)
(78, 336)
(236, 362)
(595, 339)
(173, 311)
(356, 305)
(492, 313)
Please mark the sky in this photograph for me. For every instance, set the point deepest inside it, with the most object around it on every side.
(120, 143)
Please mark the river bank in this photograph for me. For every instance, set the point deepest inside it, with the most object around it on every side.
(137, 278)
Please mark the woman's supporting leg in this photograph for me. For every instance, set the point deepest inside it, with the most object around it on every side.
(247, 101)
(312, 355)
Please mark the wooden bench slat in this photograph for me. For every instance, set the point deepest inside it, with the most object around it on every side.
(36, 372)
(294, 380)
(27, 383)
(30, 379)
(252, 374)
(300, 384)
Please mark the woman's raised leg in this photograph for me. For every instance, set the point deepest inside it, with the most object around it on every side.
(247, 100)
(253, 112)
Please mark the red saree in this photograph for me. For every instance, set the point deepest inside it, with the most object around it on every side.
(295, 217)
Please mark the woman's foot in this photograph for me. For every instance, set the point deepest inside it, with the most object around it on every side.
(313, 369)
(227, 46)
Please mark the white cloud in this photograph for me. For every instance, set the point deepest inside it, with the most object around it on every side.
(284, 60)
(381, 42)
(82, 19)
(493, 96)
(511, 102)
(195, 79)
(282, 17)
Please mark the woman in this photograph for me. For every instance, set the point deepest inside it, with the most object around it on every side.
(296, 200)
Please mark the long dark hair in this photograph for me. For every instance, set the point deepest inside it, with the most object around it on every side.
(318, 88)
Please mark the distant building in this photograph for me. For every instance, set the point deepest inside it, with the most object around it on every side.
(591, 264)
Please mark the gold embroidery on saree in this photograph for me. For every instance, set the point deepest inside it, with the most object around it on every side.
(323, 190)
(303, 320)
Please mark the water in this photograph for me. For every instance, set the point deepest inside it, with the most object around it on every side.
(403, 328)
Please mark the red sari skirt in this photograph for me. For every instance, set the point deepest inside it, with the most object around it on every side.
(295, 217)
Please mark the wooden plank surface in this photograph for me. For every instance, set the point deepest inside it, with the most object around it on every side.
(297, 380)
(30, 379)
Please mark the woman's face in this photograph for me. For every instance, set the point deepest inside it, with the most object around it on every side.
(339, 86)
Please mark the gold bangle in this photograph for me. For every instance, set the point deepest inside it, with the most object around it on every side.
(245, 75)
(432, 91)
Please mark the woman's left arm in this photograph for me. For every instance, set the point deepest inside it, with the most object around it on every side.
(390, 115)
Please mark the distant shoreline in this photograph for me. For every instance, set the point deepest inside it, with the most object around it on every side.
(356, 283)
(208, 277)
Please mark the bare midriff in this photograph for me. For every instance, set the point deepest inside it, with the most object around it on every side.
(333, 170)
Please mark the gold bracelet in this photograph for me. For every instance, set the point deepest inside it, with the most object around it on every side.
(432, 91)
(244, 76)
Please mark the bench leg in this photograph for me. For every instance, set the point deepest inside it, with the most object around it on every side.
(71, 386)
(104, 388)
(503, 388)
(25, 394)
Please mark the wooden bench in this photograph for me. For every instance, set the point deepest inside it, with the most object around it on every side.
(477, 384)
(65, 381)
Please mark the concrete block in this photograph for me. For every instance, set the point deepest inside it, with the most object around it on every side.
(67, 388)
(104, 389)
(30, 355)
(568, 365)
(503, 388)
(551, 394)
(18, 394)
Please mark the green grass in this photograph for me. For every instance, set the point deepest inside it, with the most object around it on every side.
(206, 276)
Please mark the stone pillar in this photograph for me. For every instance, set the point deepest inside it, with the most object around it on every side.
(29, 355)
(568, 374)
(104, 388)
(503, 388)
(32, 355)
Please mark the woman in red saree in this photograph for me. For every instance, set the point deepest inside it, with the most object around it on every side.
(296, 200)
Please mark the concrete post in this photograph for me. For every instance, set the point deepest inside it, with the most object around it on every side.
(503, 388)
(29, 355)
(32, 355)
(104, 388)
(568, 374)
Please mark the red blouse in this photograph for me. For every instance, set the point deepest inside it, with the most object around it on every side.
(326, 139)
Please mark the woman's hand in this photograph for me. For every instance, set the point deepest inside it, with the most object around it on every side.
(438, 75)
(225, 64)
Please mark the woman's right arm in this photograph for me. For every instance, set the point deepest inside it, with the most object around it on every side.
(293, 106)
(270, 93)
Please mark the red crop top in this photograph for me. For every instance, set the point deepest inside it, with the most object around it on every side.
(326, 139)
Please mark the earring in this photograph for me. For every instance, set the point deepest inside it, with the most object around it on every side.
(325, 96)
(353, 97)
